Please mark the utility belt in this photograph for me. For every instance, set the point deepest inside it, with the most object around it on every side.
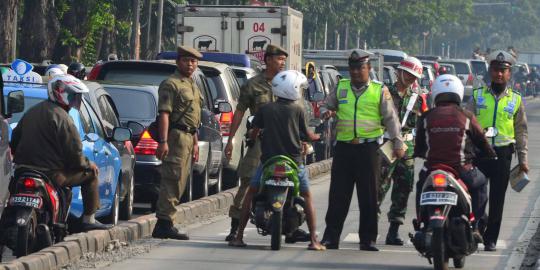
(184, 128)
(364, 140)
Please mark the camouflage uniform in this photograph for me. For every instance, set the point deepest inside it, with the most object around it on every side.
(176, 95)
(402, 171)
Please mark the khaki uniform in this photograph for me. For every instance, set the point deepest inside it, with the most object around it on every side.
(177, 95)
(256, 92)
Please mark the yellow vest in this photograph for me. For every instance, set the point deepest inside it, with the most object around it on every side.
(491, 112)
(358, 117)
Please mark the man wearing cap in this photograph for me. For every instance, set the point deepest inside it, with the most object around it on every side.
(500, 109)
(408, 105)
(256, 92)
(364, 110)
(179, 106)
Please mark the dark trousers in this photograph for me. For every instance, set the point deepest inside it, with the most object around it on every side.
(476, 184)
(358, 164)
(498, 172)
(88, 181)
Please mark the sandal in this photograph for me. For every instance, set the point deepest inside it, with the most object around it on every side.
(317, 247)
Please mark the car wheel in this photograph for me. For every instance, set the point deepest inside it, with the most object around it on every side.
(216, 188)
(112, 217)
(187, 195)
(126, 207)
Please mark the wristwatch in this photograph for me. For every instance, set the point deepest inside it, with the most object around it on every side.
(162, 141)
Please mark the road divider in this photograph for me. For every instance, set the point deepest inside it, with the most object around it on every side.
(76, 245)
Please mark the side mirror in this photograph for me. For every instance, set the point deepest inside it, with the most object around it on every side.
(222, 107)
(121, 134)
(318, 97)
(136, 128)
(315, 122)
(91, 137)
(15, 102)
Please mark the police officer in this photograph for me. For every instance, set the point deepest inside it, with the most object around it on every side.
(256, 92)
(179, 106)
(364, 109)
(402, 170)
(500, 108)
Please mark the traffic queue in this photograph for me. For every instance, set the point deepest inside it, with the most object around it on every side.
(166, 132)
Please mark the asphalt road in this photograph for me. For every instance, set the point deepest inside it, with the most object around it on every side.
(208, 250)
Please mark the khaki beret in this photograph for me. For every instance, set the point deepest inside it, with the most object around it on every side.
(189, 52)
(275, 50)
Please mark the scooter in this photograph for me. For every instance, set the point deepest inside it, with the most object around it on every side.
(36, 213)
(278, 209)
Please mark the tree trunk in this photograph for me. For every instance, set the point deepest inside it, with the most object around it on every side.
(40, 30)
(135, 30)
(7, 29)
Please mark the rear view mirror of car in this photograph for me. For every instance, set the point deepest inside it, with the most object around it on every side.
(136, 128)
(15, 102)
(121, 134)
(318, 96)
(224, 107)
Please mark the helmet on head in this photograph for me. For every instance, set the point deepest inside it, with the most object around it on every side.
(51, 72)
(447, 87)
(66, 90)
(412, 65)
(77, 70)
(63, 67)
(289, 84)
(442, 70)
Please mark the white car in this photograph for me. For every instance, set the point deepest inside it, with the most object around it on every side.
(464, 72)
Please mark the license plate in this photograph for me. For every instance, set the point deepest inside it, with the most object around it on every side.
(25, 200)
(282, 183)
(438, 198)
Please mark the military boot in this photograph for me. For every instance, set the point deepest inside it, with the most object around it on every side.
(392, 238)
(234, 227)
(165, 229)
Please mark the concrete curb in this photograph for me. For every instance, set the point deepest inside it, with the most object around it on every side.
(76, 245)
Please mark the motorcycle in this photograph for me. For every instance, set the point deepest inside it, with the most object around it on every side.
(443, 228)
(278, 209)
(36, 213)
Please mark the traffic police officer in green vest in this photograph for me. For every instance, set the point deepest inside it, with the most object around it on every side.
(364, 110)
(500, 111)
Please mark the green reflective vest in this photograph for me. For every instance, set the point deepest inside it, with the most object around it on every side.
(491, 112)
(358, 117)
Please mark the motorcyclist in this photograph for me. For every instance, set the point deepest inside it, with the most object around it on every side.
(77, 70)
(47, 140)
(534, 77)
(450, 135)
(284, 125)
(521, 77)
(443, 70)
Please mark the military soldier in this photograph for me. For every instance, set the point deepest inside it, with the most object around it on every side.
(500, 108)
(402, 170)
(255, 93)
(179, 106)
(364, 110)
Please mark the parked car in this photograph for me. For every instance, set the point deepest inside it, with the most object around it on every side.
(450, 69)
(330, 77)
(428, 57)
(433, 64)
(224, 86)
(390, 56)
(207, 173)
(105, 107)
(464, 72)
(97, 147)
(231, 59)
(243, 74)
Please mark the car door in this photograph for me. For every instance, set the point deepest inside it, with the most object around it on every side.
(104, 157)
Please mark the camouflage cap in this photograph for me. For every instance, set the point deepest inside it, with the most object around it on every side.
(501, 59)
(189, 52)
(275, 50)
(359, 57)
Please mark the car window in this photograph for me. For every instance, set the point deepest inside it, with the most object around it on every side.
(216, 87)
(29, 102)
(241, 76)
(124, 99)
(133, 76)
(95, 121)
(107, 112)
(203, 86)
(479, 68)
(233, 83)
(461, 68)
(86, 120)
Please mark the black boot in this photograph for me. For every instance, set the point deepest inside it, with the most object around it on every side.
(165, 230)
(392, 238)
(234, 227)
(298, 236)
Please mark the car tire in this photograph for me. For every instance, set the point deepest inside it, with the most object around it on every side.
(112, 217)
(216, 188)
(126, 207)
(187, 195)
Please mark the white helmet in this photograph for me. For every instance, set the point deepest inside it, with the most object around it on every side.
(412, 65)
(51, 72)
(289, 84)
(66, 90)
(447, 83)
(63, 67)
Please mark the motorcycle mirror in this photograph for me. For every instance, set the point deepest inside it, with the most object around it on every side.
(491, 132)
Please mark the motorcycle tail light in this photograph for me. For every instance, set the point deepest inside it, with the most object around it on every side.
(439, 181)
(29, 183)
(279, 171)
